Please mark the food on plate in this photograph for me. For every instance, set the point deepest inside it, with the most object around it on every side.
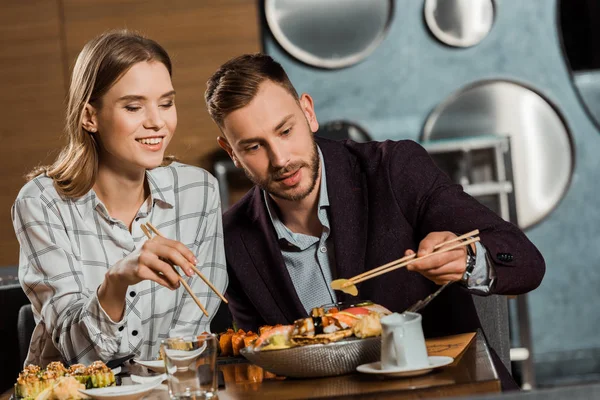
(265, 328)
(321, 338)
(29, 383)
(65, 388)
(99, 375)
(231, 342)
(225, 343)
(33, 380)
(275, 338)
(249, 338)
(325, 325)
(369, 325)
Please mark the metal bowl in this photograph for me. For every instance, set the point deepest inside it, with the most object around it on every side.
(317, 360)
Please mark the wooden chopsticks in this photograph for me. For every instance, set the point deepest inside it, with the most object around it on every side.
(196, 270)
(183, 282)
(404, 261)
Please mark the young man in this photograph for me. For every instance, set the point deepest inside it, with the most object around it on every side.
(323, 210)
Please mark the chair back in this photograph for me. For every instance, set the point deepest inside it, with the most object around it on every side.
(493, 315)
(25, 326)
(12, 298)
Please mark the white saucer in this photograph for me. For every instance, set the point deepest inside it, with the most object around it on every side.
(375, 368)
(154, 365)
(125, 392)
(147, 379)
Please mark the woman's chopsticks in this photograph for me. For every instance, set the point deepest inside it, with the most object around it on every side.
(404, 261)
(196, 270)
(183, 282)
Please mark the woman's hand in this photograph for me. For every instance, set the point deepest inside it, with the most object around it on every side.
(442, 268)
(152, 261)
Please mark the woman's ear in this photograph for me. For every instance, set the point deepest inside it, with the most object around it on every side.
(307, 105)
(89, 121)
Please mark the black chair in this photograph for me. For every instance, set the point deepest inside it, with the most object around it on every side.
(25, 326)
(493, 315)
(12, 298)
(340, 130)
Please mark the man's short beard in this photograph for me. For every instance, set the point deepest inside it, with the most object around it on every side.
(313, 167)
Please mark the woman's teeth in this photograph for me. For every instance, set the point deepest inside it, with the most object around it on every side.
(150, 140)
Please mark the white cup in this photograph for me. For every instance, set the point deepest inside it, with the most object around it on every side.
(402, 342)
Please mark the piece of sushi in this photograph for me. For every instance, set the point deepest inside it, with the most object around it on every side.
(237, 342)
(225, 343)
(29, 383)
(249, 338)
(275, 339)
(100, 375)
(79, 372)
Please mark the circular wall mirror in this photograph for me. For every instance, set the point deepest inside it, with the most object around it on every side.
(329, 34)
(459, 23)
(579, 27)
(541, 145)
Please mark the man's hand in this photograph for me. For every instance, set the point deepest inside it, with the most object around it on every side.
(442, 268)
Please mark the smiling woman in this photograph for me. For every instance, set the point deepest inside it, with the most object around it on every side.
(98, 288)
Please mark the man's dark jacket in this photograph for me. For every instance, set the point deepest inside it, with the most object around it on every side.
(385, 197)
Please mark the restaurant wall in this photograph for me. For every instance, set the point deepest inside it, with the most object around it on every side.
(391, 94)
(39, 42)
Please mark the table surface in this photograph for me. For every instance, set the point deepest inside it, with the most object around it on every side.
(472, 373)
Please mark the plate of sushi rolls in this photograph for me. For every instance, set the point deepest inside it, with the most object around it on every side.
(333, 340)
(58, 381)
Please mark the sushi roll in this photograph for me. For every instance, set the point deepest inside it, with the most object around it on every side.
(225, 343)
(79, 372)
(100, 375)
(29, 383)
(274, 339)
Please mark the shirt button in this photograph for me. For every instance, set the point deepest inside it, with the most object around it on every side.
(134, 333)
(323, 249)
(132, 293)
(121, 328)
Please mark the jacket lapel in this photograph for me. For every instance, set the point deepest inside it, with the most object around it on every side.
(348, 211)
(263, 248)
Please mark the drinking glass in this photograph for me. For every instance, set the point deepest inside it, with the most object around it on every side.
(191, 364)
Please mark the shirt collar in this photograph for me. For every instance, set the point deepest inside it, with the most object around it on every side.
(282, 231)
(158, 194)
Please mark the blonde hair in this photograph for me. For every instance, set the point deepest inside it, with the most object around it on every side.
(102, 61)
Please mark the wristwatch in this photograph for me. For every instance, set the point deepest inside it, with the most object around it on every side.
(470, 265)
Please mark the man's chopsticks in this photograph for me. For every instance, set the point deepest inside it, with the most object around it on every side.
(404, 261)
(196, 270)
(183, 282)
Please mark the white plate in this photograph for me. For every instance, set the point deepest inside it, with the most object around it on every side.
(125, 392)
(375, 368)
(154, 365)
(147, 379)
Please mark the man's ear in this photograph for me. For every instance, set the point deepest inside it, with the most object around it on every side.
(222, 140)
(89, 120)
(308, 107)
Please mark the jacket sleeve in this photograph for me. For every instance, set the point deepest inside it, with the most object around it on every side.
(431, 202)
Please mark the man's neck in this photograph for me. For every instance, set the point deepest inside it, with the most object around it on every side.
(301, 216)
